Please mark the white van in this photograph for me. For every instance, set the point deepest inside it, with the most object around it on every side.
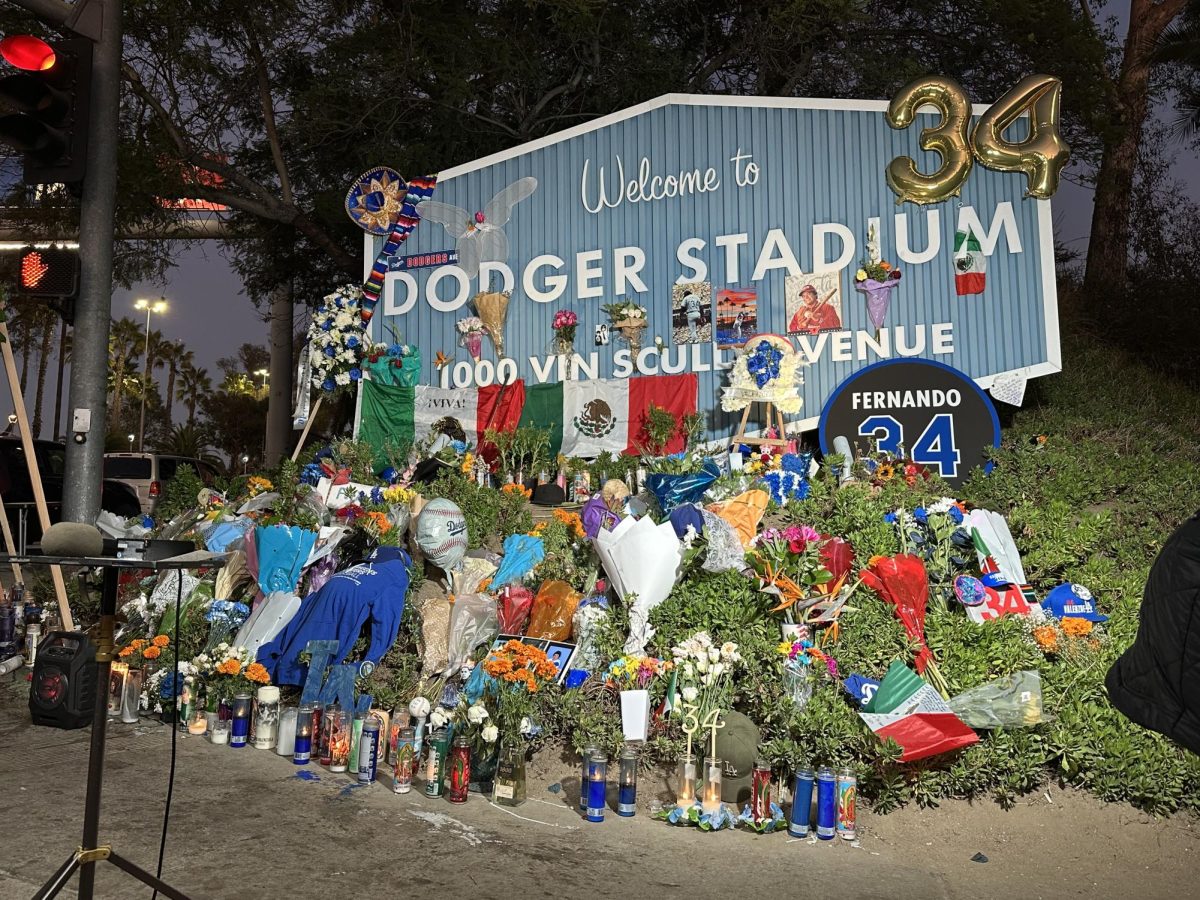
(148, 473)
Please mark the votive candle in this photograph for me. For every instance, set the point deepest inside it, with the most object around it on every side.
(597, 784)
(712, 785)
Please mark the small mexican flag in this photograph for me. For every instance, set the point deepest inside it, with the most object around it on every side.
(914, 715)
(970, 264)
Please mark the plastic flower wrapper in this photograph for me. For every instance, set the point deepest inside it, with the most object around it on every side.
(492, 307)
(674, 490)
(470, 577)
(724, 549)
(586, 625)
(998, 554)
(514, 605)
(281, 552)
(838, 557)
(553, 611)
(522, 553)
(642, 561)
(743, 512)
(224, 618)
(472, 622)
(269, 618)
(1011, 701)
(901, 581)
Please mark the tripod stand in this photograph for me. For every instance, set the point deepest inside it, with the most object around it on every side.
(91, 850)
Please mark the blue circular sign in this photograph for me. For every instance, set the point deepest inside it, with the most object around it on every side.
(926, 410)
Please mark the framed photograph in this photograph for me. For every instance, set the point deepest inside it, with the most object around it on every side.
(561, 655)
(691, 313)
(814, 302)
(737, 317)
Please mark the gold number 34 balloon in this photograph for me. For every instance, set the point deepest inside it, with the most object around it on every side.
(948, 139)
(1041, 155)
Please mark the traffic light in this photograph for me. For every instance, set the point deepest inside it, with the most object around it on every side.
(47, 106)
(50, 274)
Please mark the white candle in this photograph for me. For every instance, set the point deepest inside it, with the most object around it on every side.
(286, 739)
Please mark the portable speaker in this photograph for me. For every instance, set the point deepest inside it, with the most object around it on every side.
(63, 692)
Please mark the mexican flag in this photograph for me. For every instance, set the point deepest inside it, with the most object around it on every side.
(914, 715)
(587, 418)
(397, 414)
(970, 265)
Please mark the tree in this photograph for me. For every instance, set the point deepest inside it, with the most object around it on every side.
(186, 440)
(47, 320)
(174, 356)
(194, 387)
(124, 341)
(1129, 97)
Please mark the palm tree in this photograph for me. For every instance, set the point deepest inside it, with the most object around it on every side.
(174, 356)
(187, 440)
(1180, 43)
(154, 346)
(194, 385)
(124, 343)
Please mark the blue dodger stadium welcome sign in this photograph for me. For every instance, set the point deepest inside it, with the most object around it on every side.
(757, 206)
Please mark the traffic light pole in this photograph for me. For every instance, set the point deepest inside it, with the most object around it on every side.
(93, 309)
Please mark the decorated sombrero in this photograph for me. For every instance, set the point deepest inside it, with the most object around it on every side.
(374, 200)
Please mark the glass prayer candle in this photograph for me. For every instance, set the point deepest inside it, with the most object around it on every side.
(760, 792)
(406, 759)
(597, 785)
(437, 749)
(266, 717)
(239, 732)
(509, 786)
(627, 783)
(826, 804)
(302, 747)
(339, 741)
(285, 738)
(116, 687)
(685, 780)
(220, 732)
(356, 730)
(712, 785)
(802, 792)
(131, 696)
(588, 753)
(460, 770)
(328, 717)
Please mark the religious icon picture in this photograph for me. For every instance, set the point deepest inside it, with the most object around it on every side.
(813, 302)
(737, 317)
(691, 313)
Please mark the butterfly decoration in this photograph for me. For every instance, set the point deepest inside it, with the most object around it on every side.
(479, 237)
(441, 360)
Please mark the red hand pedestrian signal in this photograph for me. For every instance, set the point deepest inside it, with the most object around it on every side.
(33, 270)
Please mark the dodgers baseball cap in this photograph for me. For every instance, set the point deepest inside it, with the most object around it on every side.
(737, 747)
(1072, 601)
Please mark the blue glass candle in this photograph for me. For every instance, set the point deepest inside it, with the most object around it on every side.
(240, 730)
(627, 783)
(826, 804)
(597, 787)
(302, 749)
(588, 753)
(802, 792)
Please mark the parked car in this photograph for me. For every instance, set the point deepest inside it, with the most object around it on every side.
(17, 489)
(148, 473)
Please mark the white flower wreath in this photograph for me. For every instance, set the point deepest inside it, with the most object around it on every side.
(782, 390)
(337, 341)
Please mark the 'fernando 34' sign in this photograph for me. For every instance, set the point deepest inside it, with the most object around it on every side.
(926, 410)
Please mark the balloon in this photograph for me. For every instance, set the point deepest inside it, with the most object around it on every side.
(442, 533)
(1043, 153)
(948, 139)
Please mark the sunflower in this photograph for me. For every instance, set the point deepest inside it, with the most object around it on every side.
(885, 472)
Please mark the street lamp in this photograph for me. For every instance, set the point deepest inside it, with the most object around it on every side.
(245, 462)
(131, 437)
(158, 306)
(264, 374)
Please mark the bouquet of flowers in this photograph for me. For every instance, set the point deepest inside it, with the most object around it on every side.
(164, 685)
(766, 371)
(789, 566)
(901, 581)
(626, 314)
(704, 669)
(518, 671)
(876, 278)
(564, 325)
(224, 617)
(493, 309)
(634, 673)
(336, 340)
(140, 651)
(472, 331)
(393, 363)
(803, 660)
(789, 479)
(936, 534)
(227, 672)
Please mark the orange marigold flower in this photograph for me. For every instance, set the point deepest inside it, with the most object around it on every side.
(137, 644)
(1075, 627)
(125, 651)
(257, 672)
(229, 667)
(161, 641)
(151, 652)
(1047, 638)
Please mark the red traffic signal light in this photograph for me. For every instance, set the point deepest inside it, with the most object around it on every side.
(48, 103)
(24, 51)
(48, 273)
